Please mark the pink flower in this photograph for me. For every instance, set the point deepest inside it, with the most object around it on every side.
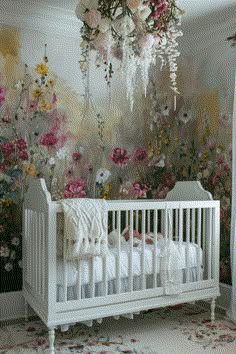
(48, 139)
(76, 156)
(54, 98)
(2, 95)
(93, 18)
(7, 148)
(161, 8)
(211, 143)
(31, 105)
(162, 191)
(3, 167)
(219, 159)
(139, 155)
(119, 156)
(75, 189)
(140, 189)
(23, 155)
(21, 144)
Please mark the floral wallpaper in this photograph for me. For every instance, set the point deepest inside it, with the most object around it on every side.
(37, 138)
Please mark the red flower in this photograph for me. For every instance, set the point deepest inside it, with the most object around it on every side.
(7, 148)
(75, 189)
(76, 156)
(140, 189)
(21, 144)
(48, 139)
(119, 156)
(139, 155)
(2, 95)
(23, 155)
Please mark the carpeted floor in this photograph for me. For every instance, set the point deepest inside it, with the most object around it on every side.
(182, 329)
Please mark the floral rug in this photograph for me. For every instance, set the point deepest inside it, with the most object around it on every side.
(171, 330)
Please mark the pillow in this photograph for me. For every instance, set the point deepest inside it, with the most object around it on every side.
(113, 237)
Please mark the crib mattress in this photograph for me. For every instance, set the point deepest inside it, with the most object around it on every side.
(84, 267)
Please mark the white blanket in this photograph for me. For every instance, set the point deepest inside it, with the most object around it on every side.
(170, 267)
(85, 227)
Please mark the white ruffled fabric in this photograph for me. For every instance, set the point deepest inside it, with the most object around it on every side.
(85, 227)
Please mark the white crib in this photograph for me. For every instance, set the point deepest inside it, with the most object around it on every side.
(127, 280)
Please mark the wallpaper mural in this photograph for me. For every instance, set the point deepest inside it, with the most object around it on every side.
(38, 138)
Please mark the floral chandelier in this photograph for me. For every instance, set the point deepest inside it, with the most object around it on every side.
(135, 32)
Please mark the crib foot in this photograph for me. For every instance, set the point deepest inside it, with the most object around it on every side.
(26, 311)
(51, 338)
(213, 306)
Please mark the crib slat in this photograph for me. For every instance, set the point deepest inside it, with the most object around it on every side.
(204, 236)
(92, 280)
(155, 223)
(170, 223)
(64, 270)
(209, 246)
(176, 224)
(126, 218)
(43, 255)
(199, 217)
(105, 281)
(188, 242)
(113, 220)
(78, 283)
(193, 226)
(148, 220)
(136, 220)
(118, 283)
(180, 226)
(131, 280)
(143, 277)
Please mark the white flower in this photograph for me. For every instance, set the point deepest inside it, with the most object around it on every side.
(52, 161)
(4, 177)
(93, 18)
(102, 175)
(157, 116)
(84, 5)
(19, 84)
(15, 241)
(20, 264)
(165, 109)
(143, 12)
(104, 25)
(63, 153)
(185, 115)
(8, 267)
(124, 25)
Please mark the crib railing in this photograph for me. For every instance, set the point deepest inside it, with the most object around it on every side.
(194, 225)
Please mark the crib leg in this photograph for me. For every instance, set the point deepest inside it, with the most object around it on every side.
(51, 338)
(26, 311)
(213, 306)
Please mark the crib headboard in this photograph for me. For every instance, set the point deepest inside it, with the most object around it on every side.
(188, 190)
(37, 194)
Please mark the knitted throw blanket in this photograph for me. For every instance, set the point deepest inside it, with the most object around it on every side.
(85, 227)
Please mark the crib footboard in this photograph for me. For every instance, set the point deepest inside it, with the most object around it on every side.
(160, 253)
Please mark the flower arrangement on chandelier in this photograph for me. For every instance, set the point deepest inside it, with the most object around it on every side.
(133, 31)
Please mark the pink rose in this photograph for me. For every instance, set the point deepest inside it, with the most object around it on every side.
(75, 189)
(119, 156)
(93, 18)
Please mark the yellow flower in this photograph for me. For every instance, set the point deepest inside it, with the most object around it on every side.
(167, 141)
(51, 82)
(30, 169)
(37, 93)
(42, 69)
(45, 106)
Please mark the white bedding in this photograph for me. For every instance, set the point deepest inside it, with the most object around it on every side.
(85, 265)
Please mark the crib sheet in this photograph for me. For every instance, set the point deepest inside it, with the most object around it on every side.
(85, 265)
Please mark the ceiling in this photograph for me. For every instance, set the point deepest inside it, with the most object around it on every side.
(193, 8)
